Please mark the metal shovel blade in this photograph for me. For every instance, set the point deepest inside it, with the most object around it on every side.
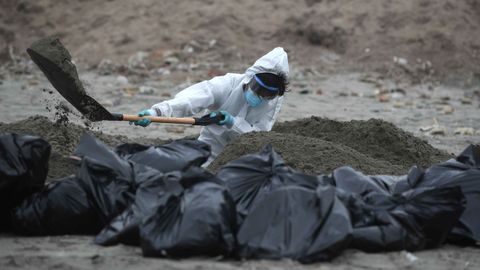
(56, 63)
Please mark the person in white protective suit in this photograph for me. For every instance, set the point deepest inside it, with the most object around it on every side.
(248, 102)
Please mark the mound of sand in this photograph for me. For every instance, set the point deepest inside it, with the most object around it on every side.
(375, 138)
(64, 137)
(317, 145)
(304, 153)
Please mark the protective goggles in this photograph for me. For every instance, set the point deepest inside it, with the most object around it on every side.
(263, 90)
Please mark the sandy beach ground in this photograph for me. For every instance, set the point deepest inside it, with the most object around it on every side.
(342, 97)
(77, 252)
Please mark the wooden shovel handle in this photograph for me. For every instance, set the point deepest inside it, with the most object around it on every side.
(157, 119)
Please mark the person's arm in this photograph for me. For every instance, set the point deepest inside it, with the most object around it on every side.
(192, 100)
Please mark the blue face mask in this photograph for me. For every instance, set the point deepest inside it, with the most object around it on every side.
(252, 99)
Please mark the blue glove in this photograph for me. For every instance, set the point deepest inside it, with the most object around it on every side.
(228, 119)
(143, 122)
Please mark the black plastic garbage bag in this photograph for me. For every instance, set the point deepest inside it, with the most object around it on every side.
(353, 181)
(436, 211)
(150, 183)
(198, 219)
(295, 222)
(61, 207)
(149, 196)
(102, 187)
(96, 151)
(417, 219)
(107, 179)
(175, 156)
(401, 184)
(252, 177)
(23, 169)
(463, 171)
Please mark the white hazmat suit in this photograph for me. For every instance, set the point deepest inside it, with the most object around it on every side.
(226, 93)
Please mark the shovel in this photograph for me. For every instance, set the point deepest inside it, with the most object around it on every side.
(56, 63)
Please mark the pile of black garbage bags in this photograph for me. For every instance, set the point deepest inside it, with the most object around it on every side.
(255, 207)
